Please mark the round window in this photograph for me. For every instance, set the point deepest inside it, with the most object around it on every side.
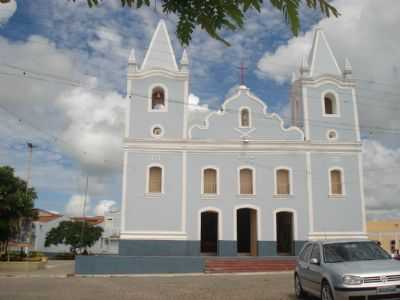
(157, 131)
(332, 135)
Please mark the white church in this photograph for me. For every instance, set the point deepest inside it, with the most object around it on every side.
(240, 180)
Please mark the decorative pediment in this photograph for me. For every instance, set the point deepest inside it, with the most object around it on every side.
(244, 117)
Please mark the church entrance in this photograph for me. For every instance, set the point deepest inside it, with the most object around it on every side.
(284, 233)
(209, 233)
(246, 226)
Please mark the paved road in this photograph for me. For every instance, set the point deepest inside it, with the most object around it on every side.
(243, 287)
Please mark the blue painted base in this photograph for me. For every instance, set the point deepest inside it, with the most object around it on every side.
(266, 248)
(158, 248)
(115, 264)
(227, 248)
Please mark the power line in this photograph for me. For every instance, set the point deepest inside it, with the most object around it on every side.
(339, 125)
(77, 82)
(271, 166)
(51, 138)
(249, 161)
(161, 51)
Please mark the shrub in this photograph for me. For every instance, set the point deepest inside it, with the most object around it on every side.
(65, 256)
(36, 254)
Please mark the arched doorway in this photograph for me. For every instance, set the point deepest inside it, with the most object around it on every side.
(246, 229)
(284, 233)
(209, 233)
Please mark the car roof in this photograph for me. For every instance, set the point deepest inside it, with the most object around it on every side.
(334, 241)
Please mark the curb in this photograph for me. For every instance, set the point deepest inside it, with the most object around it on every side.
(37, 275)
(182, 274)
(71, 275)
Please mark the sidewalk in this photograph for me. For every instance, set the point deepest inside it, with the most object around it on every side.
(54, 269)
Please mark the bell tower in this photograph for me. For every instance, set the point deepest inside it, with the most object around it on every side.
(157, 91)
(323, 98)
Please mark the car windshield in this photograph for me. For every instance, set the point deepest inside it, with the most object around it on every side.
(353, 251)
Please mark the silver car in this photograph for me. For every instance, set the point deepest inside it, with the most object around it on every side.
(351, 270)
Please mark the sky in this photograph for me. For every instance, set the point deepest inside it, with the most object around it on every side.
(63, 79)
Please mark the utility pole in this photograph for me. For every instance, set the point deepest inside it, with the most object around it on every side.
(86, 196)
(29, 172)
(84, 208)
(28, 183)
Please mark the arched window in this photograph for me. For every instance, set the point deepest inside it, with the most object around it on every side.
(330, 104)
(158, 98)
(155, 180)
(246, 182)
(282, 182)
(336, 182)
(210, 181)
(244, 118)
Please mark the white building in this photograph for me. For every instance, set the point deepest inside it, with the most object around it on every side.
(107, 244)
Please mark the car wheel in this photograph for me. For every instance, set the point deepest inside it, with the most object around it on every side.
(298, 289)
(326, 292)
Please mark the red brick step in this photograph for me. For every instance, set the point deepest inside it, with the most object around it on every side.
(233, 265)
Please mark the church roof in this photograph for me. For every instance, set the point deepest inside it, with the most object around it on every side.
(321, 59)
(160, 53)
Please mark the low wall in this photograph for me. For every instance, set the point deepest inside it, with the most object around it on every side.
(21, 266)
(115, 264)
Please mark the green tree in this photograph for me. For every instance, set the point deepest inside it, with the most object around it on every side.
(216, 15)
(16, 203)
(76, 234)
(213, 16)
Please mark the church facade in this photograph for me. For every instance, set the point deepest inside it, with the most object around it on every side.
(240, 180)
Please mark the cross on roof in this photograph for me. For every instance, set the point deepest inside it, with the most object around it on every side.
(242, 69)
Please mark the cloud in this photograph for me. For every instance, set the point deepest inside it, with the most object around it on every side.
(86, 122)
(108, 40)
(194, 104)
(94, 128)
(75, 206)
(352, 31)
(280, 64)
(381, 175)
(78, 130)
(7, 10)
(103, 207)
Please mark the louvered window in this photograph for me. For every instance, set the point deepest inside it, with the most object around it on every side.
(210, 181)
(283, 182)
(246, 181)
(336, 182)
(155, 180)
